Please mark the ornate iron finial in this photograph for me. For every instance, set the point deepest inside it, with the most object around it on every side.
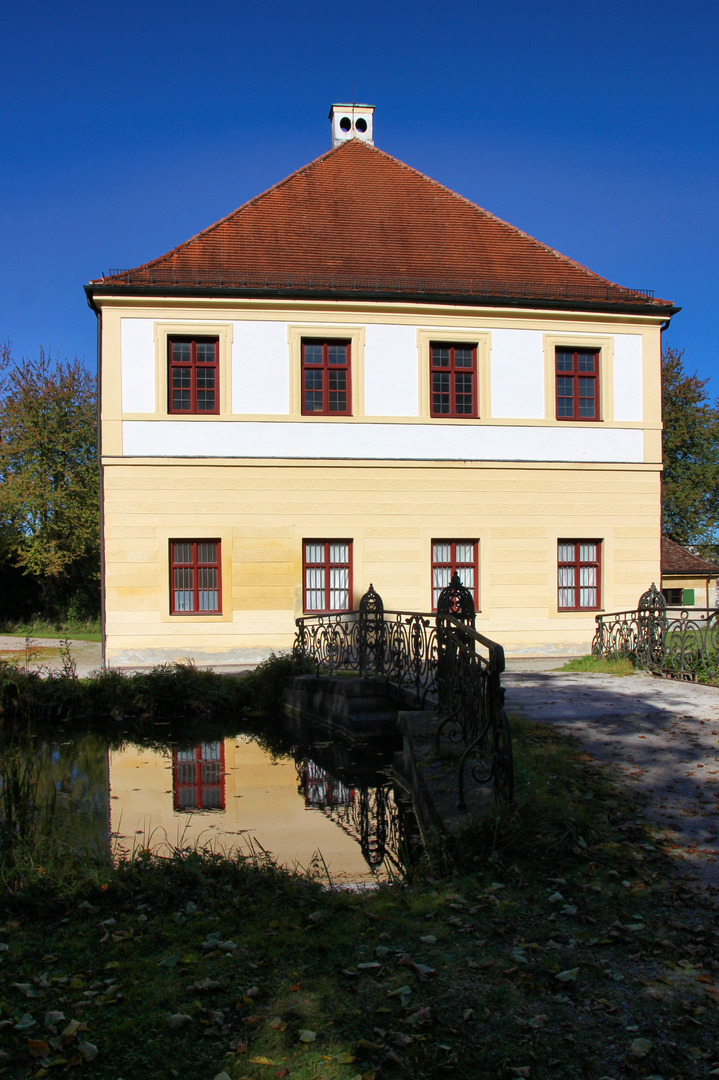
(371, 603)
(456, 600)
(651, 600)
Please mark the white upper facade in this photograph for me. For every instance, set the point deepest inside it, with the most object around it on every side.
(260, 414)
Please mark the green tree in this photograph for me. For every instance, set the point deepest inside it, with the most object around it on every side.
(690, 487)
(49, 489)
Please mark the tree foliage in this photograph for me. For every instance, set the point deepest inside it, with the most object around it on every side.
(49, 488)
(690, 489)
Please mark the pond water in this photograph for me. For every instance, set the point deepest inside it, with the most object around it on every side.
(317, 806)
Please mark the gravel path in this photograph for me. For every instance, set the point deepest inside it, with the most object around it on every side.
(87, 654)
(662, 736)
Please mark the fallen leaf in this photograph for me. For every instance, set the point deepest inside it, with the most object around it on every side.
(640, 1048)
(38, 1048)
(25, 1023)
(72, 1027)
(223, 1076)
(307, 1036)
(569, 975)
(178, 1020)
(422, 1016)
(88, 1050)
(429, 939)
(52, 1018)
(262, 1061)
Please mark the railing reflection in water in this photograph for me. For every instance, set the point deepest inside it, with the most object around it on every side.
(376, 816)
(435, 661)
(677, 642)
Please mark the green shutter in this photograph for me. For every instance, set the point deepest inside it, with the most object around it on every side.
(688, 597)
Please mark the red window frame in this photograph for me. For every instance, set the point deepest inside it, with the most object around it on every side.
(570, 368)
(455, 380)
(447, 566)
(317, 555)
(569, 574)
(201, 770)
(193, 373)
(317, 378)
(193, 586)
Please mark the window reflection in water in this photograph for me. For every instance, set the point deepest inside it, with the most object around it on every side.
(198, 777)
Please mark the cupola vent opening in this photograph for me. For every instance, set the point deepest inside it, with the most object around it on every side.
(351, 122)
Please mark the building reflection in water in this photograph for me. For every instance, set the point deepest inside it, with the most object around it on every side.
(234, 795)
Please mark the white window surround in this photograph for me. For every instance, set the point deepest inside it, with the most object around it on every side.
(481, 339)
(605, 346)
(198, 328)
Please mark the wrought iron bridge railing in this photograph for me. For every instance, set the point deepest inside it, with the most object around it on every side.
(436, 661)
(682, 643)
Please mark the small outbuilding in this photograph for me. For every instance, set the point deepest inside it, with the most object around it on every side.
(687, 580)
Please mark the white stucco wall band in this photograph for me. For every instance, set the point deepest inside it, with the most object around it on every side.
(260, 368)
(390, 371)
(628, 377)
(137, 351)
(394, 442)
(518, 374)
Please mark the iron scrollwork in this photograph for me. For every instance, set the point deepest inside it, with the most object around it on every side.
(435, 660)
(679, 643)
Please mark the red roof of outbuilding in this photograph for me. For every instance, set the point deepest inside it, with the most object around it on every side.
(358, 219)
(677, 561)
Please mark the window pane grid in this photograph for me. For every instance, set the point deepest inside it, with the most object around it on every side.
(448, 556)
(326, 378)
(453, 379)
(576, 384)
(578, 575)
(195, 577)
(327, 575)
(193, 375)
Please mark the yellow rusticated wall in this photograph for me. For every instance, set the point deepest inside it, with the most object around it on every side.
(262, 512)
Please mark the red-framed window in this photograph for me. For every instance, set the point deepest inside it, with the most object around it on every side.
(195, 577)
(579, 575)
(326, 378)
(198, 777)
(327, 575)
(451, 555)
(577, 384)
(193, 375)
(453, 375)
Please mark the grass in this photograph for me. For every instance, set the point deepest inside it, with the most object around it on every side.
(77, 630)
(600, 665)
(552, 940)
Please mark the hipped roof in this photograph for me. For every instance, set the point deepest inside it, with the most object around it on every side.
(357, 220)
(678, 561)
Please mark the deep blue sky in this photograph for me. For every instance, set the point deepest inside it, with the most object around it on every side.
(126, 128)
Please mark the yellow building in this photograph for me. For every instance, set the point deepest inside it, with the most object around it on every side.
(360, 376)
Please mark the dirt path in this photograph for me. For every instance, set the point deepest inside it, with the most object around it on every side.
(45, 653)
(661, 735)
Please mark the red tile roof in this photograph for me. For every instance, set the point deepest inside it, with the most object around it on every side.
(357, 218)
(676, 560)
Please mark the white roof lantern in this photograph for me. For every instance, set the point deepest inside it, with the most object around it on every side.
(351, 122)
